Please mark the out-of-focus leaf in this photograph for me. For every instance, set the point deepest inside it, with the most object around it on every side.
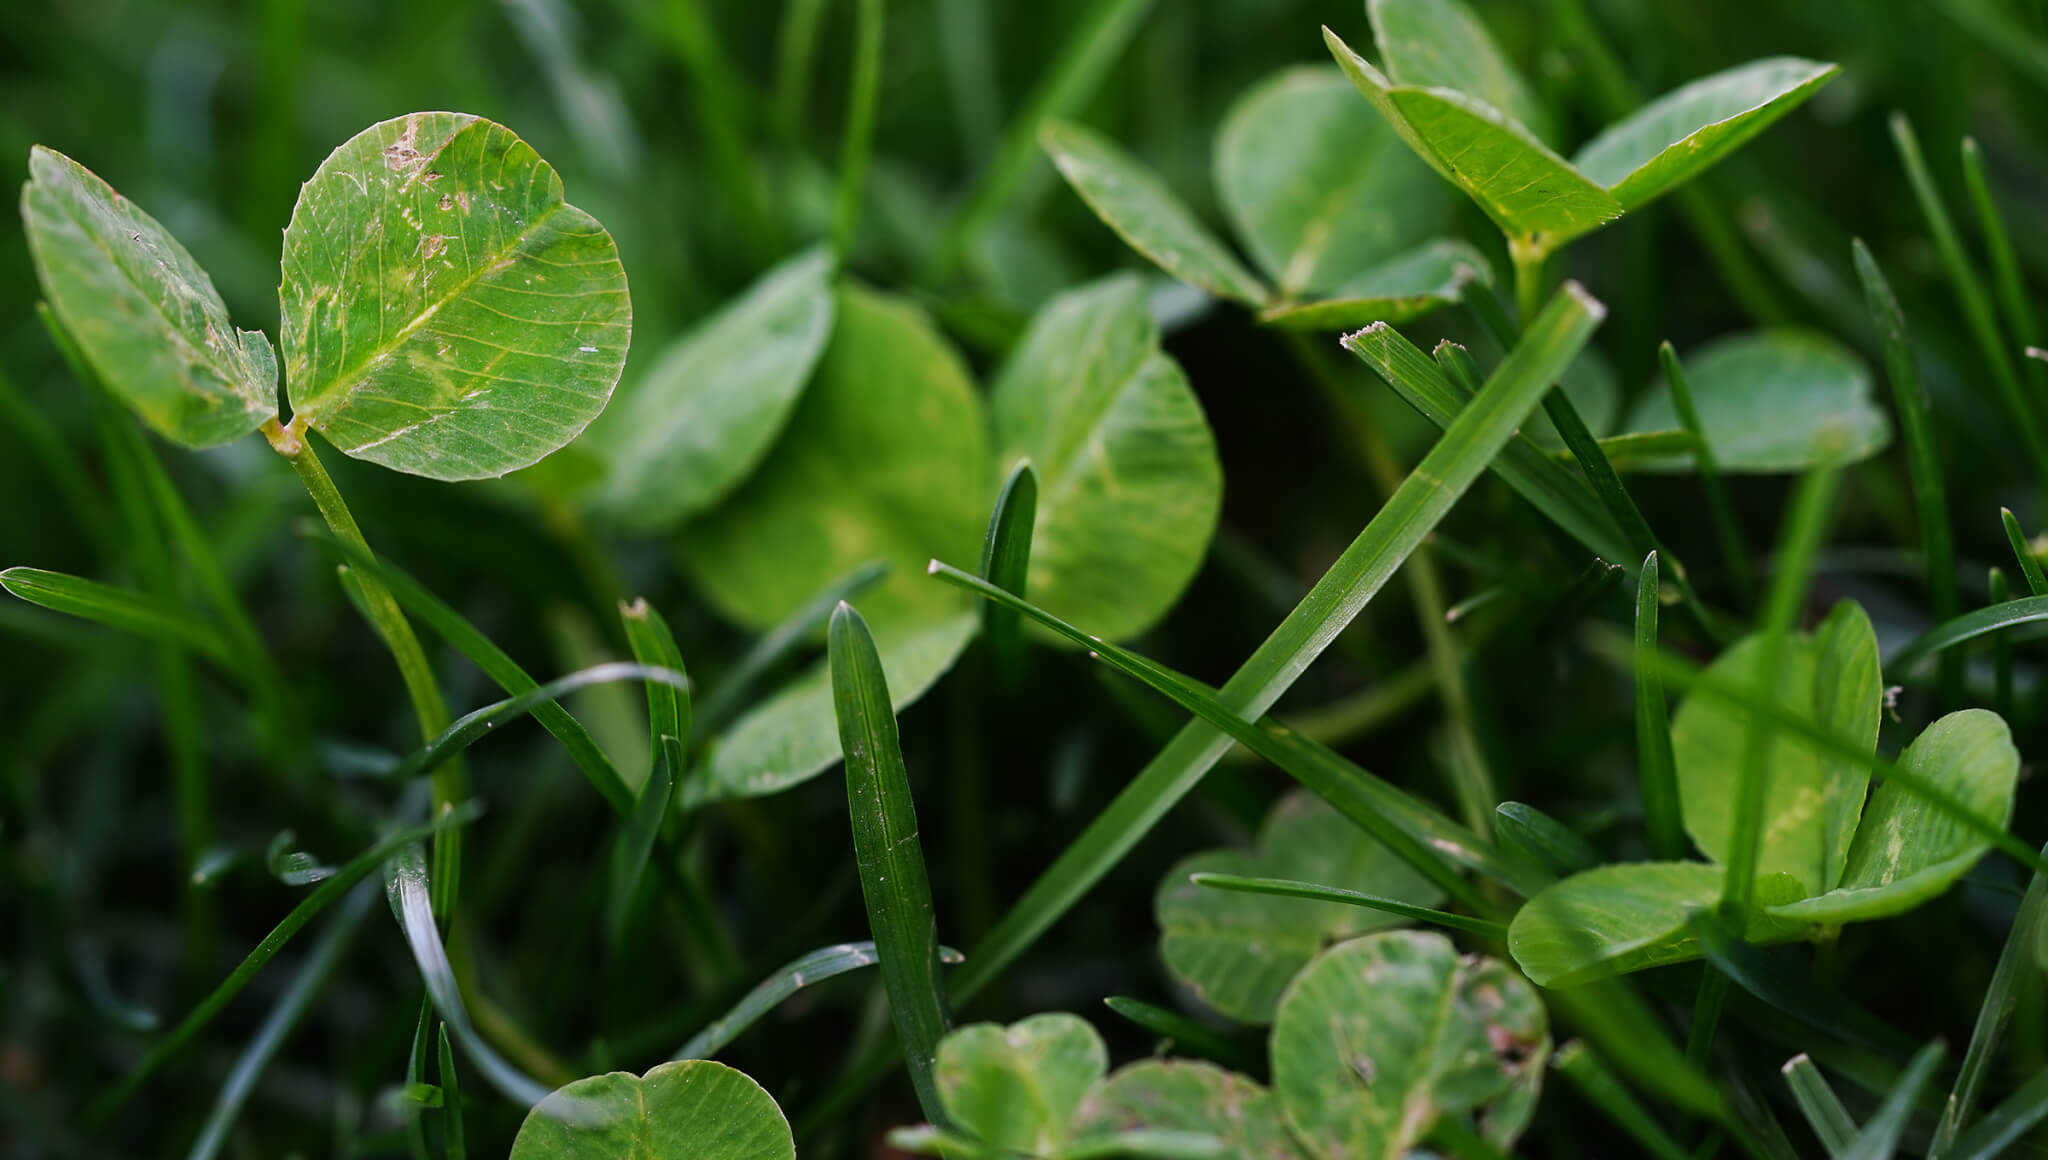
(1778, 400)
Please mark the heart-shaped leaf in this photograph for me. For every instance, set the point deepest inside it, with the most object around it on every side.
(792, 736)
(1629, 916)
(1319, 188)
(1906, 851)
(445, 312)
(693, 427)
(1776, 400)
(1128, 483)
(1678, 136)
(886, 458)
(1531, 193)
(145, 315)
(1380, 1037)
(1238, 951)
(1397, 291)
(1146, 214)
(1186, 1096)
(1440, 44)
(1016, 1089)
(1809, 794)
(691, 1110)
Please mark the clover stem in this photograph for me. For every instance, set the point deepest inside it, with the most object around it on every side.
(382, 609)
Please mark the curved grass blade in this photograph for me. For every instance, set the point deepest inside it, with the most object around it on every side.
(815, 967)
(1930, 496)
(772, 646)
(1817, 1101)
(1289, 888)
(472, 726)
(668, 706)
(1657, 766)
(2005, 268)
(1970, 293)
(1999, 997)
(1879, 1138)
(115, 607)
(1183, 1032)
(1006, 563)
(467, 639)
(2003, 1126)
(2023, 550)
(291, 1007)
(1691, 677)
(887, 853)
(1471, 441)
(1431, 843)
(405, 887)
(1818, 1007)
(1967, 627)
(1542, 839)
(322, 896)
(1584, 1067)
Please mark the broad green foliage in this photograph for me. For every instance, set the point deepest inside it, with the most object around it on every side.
(1128, 483)
(1397, 291)
(790, 737)
(691, 428)
(1454, 97)
(1238, 951)
(1833, 674)
(1631, 915)
(1906, 851)
(1380, 1037)
(1772, 401)
(1187, 1096)
(1826, 857)
(1146, 214)
(1440, 44)
(145, 315)
(691, 1110)
(886, 457)
(445, 312)
(1318, 188)
(1016, 1088)
(1684, 132)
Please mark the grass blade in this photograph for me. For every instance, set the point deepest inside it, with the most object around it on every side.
(1536, 477)
(1434, 845)
(2005, 1124)
(1880, 1135)
(1085, 61)
(1470, 442)
(668, 706)
(863, 92)
(1289, 888)
(1542, 839)
(405, 887)
(472, 726)
(777, 643)
(1799, 541)
(1937, 542)
(1600, 1087)
(2001, 649)
(1720, 508)
(2023, 551)
(1967, 627)
(2005, 268)
(453, 1145)
(815, 967)
(322, 896)
(1005, 563)
(1817, 1101)
(1181, 1031)
(887, 853)
(503, 671)
(1656, 766)
(1816, 1006)
(1970, 294)
(284, 1016)
(122, 608)
(1999, 997)
(635, 843)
